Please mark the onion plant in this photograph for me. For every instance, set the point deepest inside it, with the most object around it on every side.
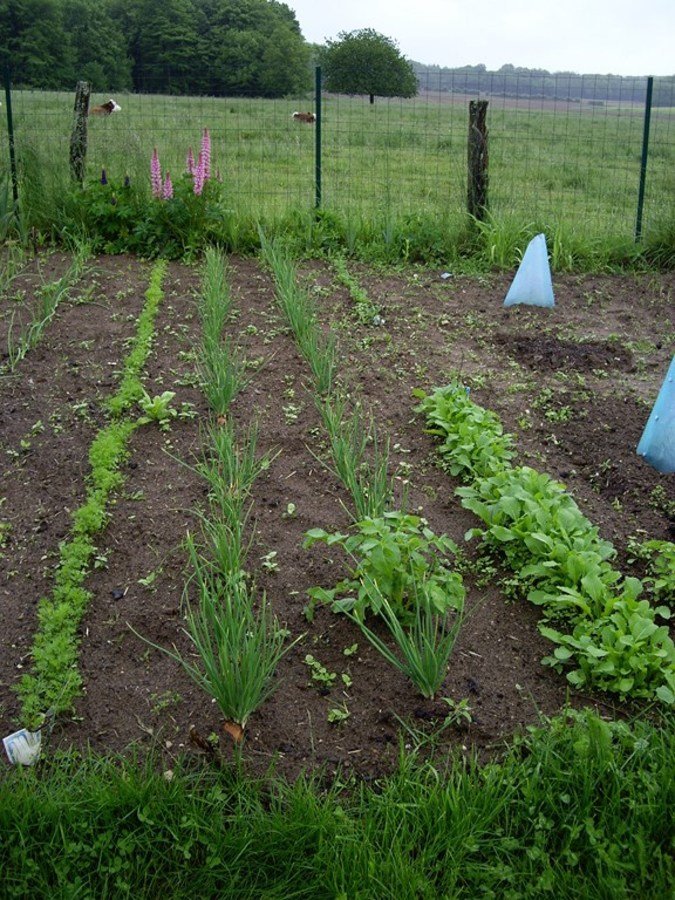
(216, 299)
(318, 348)
(363, 473)
(238, 642)
(222, 371)
(425, 647)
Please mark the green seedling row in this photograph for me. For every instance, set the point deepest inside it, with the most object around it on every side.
(54, 680)
(606, 636)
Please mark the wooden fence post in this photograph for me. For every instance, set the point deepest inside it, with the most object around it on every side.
(78, 139)
(477, 198)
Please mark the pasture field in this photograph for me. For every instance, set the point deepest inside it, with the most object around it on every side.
(573, 384)
(569, 169)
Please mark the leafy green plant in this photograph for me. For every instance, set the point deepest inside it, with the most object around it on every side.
(393, 554)
(337, 714)
(625, 651)
(319, 672)
(364, 307)
(426, 645)
(54, 679)
(473, 442)
(660, 556)
(562, 563)
(120, 217)
(157, 409)
(546, 539)
(130, 389)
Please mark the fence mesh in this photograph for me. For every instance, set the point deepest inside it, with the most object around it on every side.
(560, 151)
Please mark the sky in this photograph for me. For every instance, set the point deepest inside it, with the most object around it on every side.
(621, 37)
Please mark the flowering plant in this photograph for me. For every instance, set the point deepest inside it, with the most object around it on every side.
(183, 215)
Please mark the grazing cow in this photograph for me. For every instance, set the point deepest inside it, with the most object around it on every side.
(308, 117)
(105, 109)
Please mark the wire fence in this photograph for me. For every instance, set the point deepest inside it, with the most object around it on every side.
(561, 151)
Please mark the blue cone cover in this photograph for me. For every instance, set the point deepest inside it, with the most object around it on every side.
(657, 444)
(532, 284)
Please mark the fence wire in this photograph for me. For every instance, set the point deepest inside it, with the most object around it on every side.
(561, 152)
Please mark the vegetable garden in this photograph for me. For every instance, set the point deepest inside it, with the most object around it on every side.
(292, 513)
(257, 413)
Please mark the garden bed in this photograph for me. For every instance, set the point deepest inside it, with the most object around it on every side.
(574, 384)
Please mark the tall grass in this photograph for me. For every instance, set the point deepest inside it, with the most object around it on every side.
(577, 808)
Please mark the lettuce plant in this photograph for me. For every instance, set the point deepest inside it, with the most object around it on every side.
(473, 442)
(559, 557)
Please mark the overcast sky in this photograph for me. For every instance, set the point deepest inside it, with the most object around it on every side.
(622, 37)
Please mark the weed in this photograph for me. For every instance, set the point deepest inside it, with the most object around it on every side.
(320, 673)
(157, 409)
(337, 714)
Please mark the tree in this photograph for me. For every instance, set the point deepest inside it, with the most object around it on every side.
(99, 47)
(254, 48)
(34, 43)
(366, 62)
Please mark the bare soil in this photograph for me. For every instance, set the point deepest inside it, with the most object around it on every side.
(575, 384)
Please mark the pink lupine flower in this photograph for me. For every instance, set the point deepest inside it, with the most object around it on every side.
(200, 176)
(190, 162)
(167, 188)
(155, 175)
(206, 153)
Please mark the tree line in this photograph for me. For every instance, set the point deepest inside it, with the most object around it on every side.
(249, 47)
(207, 47)
(517, 81)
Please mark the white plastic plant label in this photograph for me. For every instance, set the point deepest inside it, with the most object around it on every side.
(23, 747)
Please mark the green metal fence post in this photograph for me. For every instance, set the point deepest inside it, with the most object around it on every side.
(10, 132)
(643, 161)
(317, 138)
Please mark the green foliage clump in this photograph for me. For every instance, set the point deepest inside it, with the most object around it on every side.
(473, 443)
(395, 556)
(54, 680)
(130, 390)
(364, 307)
(121, 219)
(660, 556)
(366, 62)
